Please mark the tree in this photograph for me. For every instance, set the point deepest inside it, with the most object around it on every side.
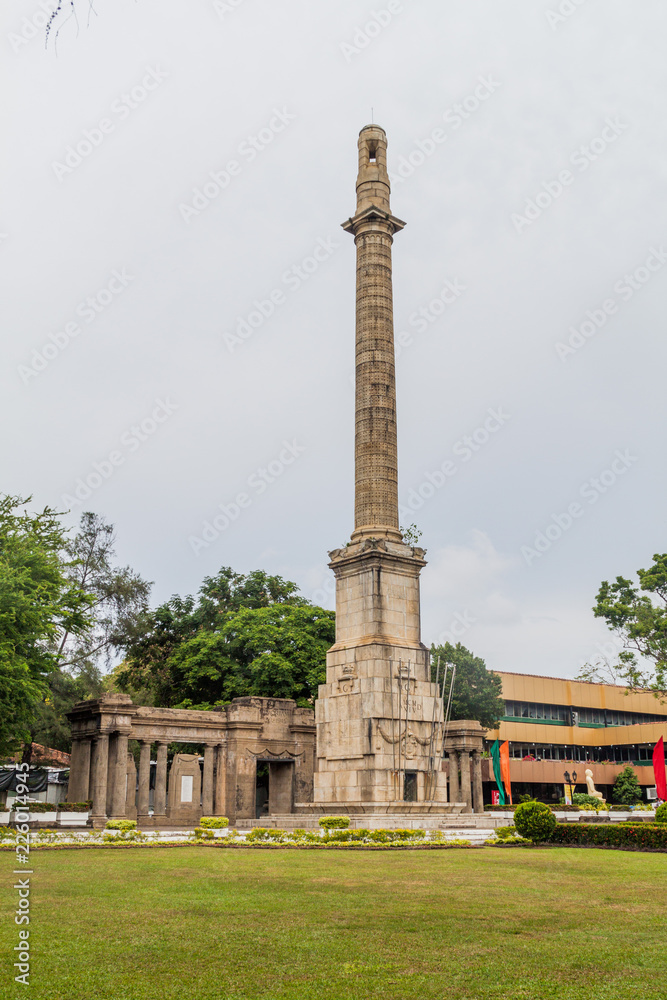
(627, 790)
(638, 618)
(120, 596)
(244, 635)
(39, 603)
(477, 691)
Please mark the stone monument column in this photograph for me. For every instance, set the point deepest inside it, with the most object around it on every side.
(378, 712)
(477, 786)
(79, 775)
(99, 776)
(465, 780)
(119, 778)
(160, 801)
(207, 788)
(221, 781)
(454, 788)
(143, 798)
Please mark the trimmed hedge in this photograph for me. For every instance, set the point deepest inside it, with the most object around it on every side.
(75, 807)
(38, 807)
(213, 822)
(661, 813)
(121, 824)
(635, 837)
(334, 822)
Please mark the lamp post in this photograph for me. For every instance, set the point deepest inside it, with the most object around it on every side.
(571, 782)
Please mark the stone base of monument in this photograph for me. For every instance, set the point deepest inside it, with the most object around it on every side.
(392, 808)
(375, 821)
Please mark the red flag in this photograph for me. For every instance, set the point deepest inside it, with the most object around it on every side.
(659, 770)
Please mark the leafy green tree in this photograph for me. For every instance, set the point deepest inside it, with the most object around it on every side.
(39, 603)
(638, 618)
(243, 635)
(627, 790)
(477, 690)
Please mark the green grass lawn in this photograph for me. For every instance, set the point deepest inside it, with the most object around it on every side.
(211, 924)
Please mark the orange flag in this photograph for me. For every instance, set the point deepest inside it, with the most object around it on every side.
(505, 769)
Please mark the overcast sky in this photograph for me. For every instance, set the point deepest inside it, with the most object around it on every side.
(171, 340)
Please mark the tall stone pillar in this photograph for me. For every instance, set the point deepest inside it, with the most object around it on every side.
(207, 788)
(454, 788)
(160, 801)
(79, 775)
(100, 777)
(378, 710)
(477, 786)
(119, 779)
(375, 447)
(221, 781)
(143, 797)
(465, 780)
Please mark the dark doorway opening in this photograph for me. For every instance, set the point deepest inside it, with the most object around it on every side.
(410, 786)
(262, 790)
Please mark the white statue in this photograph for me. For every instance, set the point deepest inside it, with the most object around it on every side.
(591, 785)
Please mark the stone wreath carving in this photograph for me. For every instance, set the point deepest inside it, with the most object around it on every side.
(411, 742)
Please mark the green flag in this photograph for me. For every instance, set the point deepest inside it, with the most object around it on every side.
(495, 756)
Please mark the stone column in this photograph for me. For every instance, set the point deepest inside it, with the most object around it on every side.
(465, 780)
(160, 801)
(79, 775)
(373, 227)
(454, 790)
(221, 781)
(477, 786)
(144, 777)
(119, 787)
(207, 789)
(99, 776)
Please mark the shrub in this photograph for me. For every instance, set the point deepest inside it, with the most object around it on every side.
(6, 831)
(534, 820)
(627, 789)
(203, 834)
(334, 822)
(499, 808)
(633, 836)
(121, 824)
(75, 807)
(40, 807)
(587, 801)
(261, 833)
(505, 832)
(213, 822)
(661, 813)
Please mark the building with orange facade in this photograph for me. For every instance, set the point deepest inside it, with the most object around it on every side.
(555, 725)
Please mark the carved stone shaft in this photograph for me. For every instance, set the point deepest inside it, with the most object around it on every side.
(376, 458)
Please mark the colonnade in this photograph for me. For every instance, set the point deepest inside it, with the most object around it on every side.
(460, 790)
(99, 772)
